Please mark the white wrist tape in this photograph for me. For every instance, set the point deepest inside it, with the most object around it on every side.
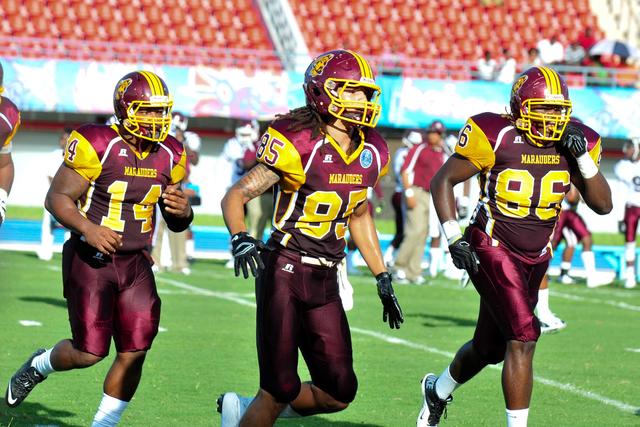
(452, 230)
(587, 167)
(409, 192)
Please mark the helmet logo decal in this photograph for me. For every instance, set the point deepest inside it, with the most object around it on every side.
(122, 87)
(517, 85)
(366, 158)
(318, 66)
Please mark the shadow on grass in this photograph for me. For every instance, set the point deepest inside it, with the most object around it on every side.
(31, 414)
(321, 422)
(45, 300)
(434, 320)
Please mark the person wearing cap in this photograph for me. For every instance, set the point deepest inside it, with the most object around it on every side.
(421, 164)
(410, 138)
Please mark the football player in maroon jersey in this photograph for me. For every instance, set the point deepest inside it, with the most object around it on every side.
(323, 157)
(9, 124)
(105, 192)
(526, 162)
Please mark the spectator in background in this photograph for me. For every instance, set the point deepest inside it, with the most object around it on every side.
(486, 67)
(421, 164)
(533, 58)
(54, 160)
(627, 171)
(574, 54)
(259, 209)
(177, 240)
(507, 69)
(410, 138)
(587, 39)
(233, 152)
(193, 143)
(551, 50)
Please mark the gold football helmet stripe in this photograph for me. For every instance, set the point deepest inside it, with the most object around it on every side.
(365, 70)
(551, 78)
(154, 83)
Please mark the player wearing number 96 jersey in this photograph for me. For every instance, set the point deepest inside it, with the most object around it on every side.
(526, 161)
(322, 157)
(105, 193)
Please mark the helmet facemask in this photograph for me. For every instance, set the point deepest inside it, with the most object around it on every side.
(363, 113)
(543, 127)
(147, 126)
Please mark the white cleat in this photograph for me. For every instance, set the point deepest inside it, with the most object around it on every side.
(567, 280)
(551, 323)
(630, 284)
(232, 407)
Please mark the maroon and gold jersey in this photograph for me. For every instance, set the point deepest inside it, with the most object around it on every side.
(320, 186)
(522, 185)
(9, 123)
(125, 184)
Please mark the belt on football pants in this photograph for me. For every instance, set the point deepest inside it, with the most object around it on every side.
(319, 261)
(304, 259)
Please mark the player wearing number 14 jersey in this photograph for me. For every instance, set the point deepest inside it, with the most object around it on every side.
(323, 157)
(105, 193)
(526, 161)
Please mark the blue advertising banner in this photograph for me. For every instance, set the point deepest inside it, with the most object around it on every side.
(68, 86)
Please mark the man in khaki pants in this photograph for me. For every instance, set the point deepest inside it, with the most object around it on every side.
(420, 165)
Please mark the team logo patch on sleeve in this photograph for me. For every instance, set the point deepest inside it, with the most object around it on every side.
(366, 158)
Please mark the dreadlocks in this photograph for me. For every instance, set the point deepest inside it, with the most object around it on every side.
(304, 118)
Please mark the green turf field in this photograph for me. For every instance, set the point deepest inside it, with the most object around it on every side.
(587, 374)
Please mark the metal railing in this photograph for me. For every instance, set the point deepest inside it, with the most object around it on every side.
(42, 48)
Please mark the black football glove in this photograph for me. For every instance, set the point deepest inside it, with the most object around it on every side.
(463, 256)
(574, 141)
(390, 308)
(622, 227)
(245, 251)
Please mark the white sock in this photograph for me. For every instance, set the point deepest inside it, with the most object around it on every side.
(190, 248)
(630, 274)
(589, 261)
(543, 302)
(517, 417)
(288, 412)
(565, 265)
(109, 411)
(42, 363)
(445, 385)
(436, 256)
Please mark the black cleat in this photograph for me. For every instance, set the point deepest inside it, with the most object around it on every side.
(433, 407)
(23, 381)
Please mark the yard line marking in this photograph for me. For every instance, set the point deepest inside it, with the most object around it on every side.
(30, 323)
(617, 304)
(570, 388)
(633, 350)
(229, 296)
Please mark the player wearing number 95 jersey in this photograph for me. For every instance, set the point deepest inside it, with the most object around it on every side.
(526, 161)
(105, 192)
(323, 157)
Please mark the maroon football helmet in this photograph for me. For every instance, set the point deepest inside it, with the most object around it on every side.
(141, 91)
(436, 126)
(540, 104)
(330, 75)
